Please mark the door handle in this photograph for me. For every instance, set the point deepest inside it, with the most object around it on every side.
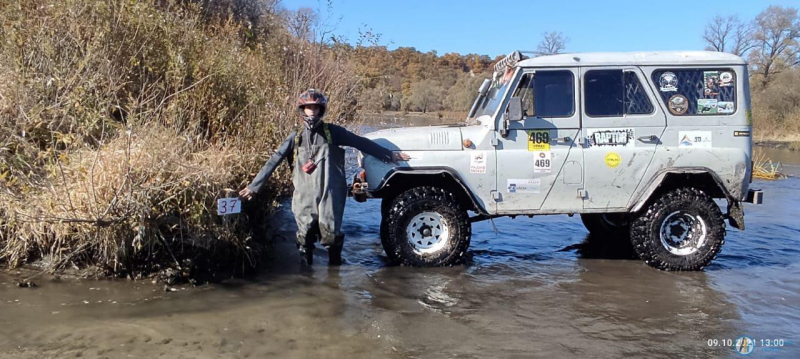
(564, 139)
(651, 138)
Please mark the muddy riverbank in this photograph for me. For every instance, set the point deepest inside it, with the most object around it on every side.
(539, 287)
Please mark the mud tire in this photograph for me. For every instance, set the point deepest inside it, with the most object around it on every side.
(616, 225)
(384, 231)
(646, 230)
(408, 205)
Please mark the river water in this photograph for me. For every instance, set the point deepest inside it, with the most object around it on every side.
(538, 287)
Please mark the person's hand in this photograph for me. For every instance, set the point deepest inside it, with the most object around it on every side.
(246, 193)
(400, 156)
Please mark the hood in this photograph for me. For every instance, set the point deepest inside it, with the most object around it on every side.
(436, 138)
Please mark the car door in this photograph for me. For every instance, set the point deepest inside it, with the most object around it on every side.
(621, 129)
(538, 152)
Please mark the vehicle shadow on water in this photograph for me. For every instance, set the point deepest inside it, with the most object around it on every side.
(600, 247)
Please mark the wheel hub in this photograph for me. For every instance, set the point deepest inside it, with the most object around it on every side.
(428, 232)
(682, 233)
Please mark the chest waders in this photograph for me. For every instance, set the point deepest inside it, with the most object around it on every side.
(319, 196)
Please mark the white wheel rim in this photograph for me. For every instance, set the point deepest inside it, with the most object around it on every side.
(428, 232)
(683, 234)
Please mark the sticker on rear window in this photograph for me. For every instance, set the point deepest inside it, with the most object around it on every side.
(668, 82)
(725, 107)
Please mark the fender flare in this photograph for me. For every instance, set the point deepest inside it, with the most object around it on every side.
(659, 177)
(439, 170)
(735, 213)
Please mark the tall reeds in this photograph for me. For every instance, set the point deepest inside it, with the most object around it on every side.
(122, 122)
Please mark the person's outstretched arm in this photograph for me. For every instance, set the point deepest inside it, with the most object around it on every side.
(343, 137)
(284, 151)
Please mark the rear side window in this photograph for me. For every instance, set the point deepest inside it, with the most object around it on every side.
(611, 93)
(547, 93)
(697, 92)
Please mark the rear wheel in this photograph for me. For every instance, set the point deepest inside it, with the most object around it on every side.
(683, 230)
(605, 224)
(426, 227)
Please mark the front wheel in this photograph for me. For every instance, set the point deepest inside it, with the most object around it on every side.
(426, 227)
(683, 230)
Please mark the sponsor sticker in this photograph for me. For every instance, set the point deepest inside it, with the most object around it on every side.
(610, 137)
(725, 79)
(741, 133)
(711, 83)
(678, 104)
(668, 82)
(539, 140)
(542, 162)
(477, 162)
(524, 185)
(612, 159)
(707, 106)
(694, 139)
(725, 107)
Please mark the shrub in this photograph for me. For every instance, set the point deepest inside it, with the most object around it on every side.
(123, 121)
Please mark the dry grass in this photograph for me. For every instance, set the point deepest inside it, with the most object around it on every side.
(124, 121)
(776, 109)
(764, 168)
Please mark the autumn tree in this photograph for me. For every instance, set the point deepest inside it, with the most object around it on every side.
(729, 34)
(776, 41)
(462, 94)
(301, 23)
(553, 42)
(425, 95)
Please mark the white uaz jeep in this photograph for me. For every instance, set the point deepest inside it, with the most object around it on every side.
(639, 144)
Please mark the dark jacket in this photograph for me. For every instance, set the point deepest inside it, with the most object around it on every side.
(340, 137)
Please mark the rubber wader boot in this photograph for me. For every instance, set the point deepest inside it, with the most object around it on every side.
(335, 255)
(306, 254)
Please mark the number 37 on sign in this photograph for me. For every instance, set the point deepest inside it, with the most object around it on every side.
(228, 206)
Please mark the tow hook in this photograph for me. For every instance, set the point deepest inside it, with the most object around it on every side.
(755, 196)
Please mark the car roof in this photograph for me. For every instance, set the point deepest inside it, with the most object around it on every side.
(634, 59)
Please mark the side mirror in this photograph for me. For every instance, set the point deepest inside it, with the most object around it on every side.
(515, 109)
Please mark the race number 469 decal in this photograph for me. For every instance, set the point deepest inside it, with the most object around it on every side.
(539, 140)
(542, 162)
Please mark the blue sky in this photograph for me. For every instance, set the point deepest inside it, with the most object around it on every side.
(480, 27)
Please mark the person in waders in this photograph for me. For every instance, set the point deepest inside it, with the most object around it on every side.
(320, 186)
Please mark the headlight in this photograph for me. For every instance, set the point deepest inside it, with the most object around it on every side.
(360, 158)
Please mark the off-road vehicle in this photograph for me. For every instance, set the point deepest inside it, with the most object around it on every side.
(639, 144)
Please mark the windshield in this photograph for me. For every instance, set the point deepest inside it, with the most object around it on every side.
(492, 100)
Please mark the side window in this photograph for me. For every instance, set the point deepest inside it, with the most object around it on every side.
(636, 100)
(613, 93)
(547, 93)
(697, 91)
